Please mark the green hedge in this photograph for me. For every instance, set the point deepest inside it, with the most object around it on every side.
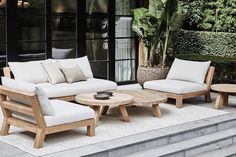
(225, 67)
(205, 43)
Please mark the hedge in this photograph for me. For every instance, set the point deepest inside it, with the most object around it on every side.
(205, 43)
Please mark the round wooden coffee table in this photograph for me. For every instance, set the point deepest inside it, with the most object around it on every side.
(224, 90)
(116, 100)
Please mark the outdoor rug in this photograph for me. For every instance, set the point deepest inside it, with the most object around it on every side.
(110, 127)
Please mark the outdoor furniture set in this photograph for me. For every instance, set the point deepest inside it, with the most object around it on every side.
(37, 99)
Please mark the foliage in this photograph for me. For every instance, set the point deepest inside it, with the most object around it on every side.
(225, 67)
(155, 27)
(199, 42)
(210, 15)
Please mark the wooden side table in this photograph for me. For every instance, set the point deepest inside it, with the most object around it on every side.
(147, 97)
(117, 99)
(224, 90)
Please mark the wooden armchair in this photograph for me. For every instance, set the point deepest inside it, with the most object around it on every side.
(39, 127)
(154, 85)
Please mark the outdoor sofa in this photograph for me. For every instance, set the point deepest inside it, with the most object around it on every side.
(24, 98)
(186, 79)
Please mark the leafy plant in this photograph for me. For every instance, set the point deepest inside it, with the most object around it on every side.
(155, 26)
(211, 15)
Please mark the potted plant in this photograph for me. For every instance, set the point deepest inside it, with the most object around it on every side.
(155, 27)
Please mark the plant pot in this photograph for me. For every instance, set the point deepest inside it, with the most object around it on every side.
(151, 73)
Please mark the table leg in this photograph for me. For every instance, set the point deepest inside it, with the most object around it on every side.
(104, 110)
(156, 110)
(97, 113)
(226, 98)
(219, 100)
(124, 113)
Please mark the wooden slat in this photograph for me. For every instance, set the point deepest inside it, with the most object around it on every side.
(68, 126)
(38, 113)
(22, 124)
(65, 98)
(7, 72)
(209, 77)
(21, 108)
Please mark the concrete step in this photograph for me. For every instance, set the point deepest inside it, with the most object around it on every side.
(224, 152)
(193, 147)
(168, 136)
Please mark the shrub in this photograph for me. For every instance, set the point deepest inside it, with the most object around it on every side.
(210, 15)
(205, 43)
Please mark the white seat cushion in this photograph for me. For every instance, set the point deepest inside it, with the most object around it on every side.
(174, 86)
(68, 89)
(67, 112)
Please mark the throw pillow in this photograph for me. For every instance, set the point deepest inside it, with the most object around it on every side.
(45, 103)
(83, 62)
(73, 74)
(54, 73)
(192, 71)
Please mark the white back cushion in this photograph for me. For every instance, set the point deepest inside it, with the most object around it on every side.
(191, 71)
(83, 62)
(28, 71)
(27, 87)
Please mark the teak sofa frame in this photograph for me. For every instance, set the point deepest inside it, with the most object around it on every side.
(7, 73)
(179, 97)
(34, 111)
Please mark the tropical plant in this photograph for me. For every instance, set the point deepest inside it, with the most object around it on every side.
(155, 27)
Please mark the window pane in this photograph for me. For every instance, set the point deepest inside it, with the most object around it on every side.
(96, 6)
(123, 7)
(125, 48)
(97, 49)
(125, 70)
(97, 28)
(64, 28)
(31, 7)
(63, 49)
(32, 28)
(123, 27)
(64, 6)
(2, 55)
(2, 9)
(100, 70)
(31, 51)
(2, 28)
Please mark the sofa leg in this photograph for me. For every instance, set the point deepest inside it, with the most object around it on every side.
(208, 98)
(91, 129)
(179, 102)
(5, 127)
(39, 139)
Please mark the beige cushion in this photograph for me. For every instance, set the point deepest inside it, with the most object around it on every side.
(68, 89)
(174, 86)
(191, 71)
(54, 73)
(29, 71)
(83, 62)
(73, 74)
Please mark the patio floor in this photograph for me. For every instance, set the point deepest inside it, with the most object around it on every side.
(10, 151)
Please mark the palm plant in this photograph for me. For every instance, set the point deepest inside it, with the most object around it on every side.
(155, 27)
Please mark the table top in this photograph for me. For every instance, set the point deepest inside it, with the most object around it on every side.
(145, 97)
(115, 100)
(228, 88)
